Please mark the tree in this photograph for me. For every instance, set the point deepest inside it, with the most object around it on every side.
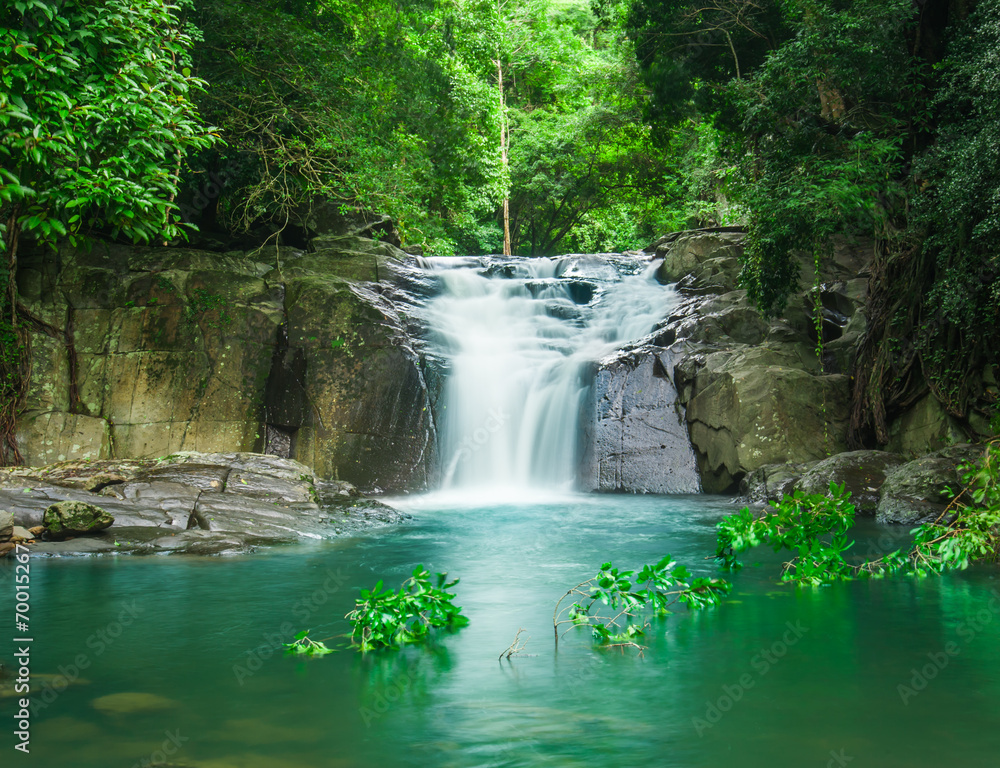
(824, 118)
(582, 162)
(939, 294)
(386, 106)
(690, 50)
(96, 117)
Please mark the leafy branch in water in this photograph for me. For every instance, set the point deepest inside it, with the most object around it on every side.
(800, 523)
(656, 588)
(965, 532)
(815, 528)
(303, 644)
(386, 619)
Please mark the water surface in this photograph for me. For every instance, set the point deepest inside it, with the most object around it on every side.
(787, 677)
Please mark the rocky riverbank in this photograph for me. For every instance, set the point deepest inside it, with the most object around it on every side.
(763, 412)
(189, 503)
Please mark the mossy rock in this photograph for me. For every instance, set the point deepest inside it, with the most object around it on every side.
(74, 518)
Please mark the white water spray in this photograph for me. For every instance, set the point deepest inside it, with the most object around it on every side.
(521, 337)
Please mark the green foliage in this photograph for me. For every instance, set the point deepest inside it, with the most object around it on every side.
(690, 51)
(386, 106)
(959, 215)
(627, 595)
(397, 108)
(386, 619)
(96, 116)
(972, 534)
(815, 528)
(823, 122)
(303, 645)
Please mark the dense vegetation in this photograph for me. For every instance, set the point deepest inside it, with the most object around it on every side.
(815, 527)
(435, 112)
(542, 126)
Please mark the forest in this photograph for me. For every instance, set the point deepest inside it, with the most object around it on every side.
(339, 340)
(537, 127)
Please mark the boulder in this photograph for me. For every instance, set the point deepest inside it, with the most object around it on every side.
(6, 525)
(755, 415)
(20, 533)
(190, 503)
(253, 475)
(708, 259)
(727, 320)
(636, 437)
(920, 490)
(861, 472)
(75, 518)
(772, 482)
(85, 474)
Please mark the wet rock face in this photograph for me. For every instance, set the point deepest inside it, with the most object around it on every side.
(919, 491)
(746, 391)
(192, 503)
(143, 352)
(862, 473)
(634, 440)
(753, 391)
(365, 406)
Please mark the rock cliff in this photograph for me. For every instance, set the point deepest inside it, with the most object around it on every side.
(142, 352)
(752, 392)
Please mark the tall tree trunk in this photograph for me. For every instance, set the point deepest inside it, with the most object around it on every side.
(503, 159)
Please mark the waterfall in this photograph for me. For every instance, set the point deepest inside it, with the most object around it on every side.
(519, 338)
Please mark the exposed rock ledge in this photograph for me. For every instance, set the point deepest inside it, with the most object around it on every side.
(883, 485)
(195, 503)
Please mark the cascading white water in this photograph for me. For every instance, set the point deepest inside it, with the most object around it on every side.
(520, 337)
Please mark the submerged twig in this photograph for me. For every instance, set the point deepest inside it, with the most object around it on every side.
(515, 647)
